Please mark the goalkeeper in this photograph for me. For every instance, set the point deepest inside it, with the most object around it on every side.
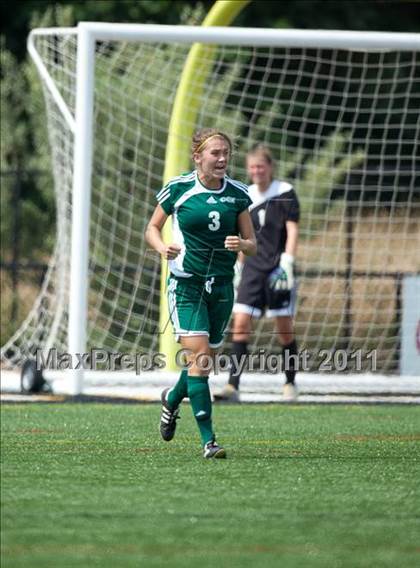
(211, 225)
(267, 280)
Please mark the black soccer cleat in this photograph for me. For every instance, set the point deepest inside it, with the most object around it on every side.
(213, 450)
(168, 418)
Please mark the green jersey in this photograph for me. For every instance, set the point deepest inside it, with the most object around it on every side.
(202, 219)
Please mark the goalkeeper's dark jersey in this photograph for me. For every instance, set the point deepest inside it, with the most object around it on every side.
(269, 212)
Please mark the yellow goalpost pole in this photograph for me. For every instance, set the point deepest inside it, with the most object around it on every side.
(181, 128)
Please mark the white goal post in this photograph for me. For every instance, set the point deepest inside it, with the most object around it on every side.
(306, 93)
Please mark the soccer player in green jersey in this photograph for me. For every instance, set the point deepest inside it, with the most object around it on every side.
(211, 225)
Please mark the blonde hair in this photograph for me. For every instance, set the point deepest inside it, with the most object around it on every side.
(263, 151)
(202, 136)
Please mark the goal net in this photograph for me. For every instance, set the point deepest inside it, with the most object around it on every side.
(342, 121)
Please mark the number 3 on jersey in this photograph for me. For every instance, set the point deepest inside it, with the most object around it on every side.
(215, 221)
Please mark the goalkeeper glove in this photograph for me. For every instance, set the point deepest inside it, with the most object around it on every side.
(286, 263)
(238, 275)
(282, 277)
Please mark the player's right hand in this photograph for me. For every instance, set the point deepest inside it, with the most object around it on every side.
(171, 251)
(238, 275)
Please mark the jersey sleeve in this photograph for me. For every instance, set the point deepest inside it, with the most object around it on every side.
(292, 208)
(165, 198)
(244, 201)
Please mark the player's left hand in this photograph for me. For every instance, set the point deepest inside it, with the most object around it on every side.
(287, 264)
(233, 243)
(277, 280)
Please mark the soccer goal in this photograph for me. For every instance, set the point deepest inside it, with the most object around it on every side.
(340, 111)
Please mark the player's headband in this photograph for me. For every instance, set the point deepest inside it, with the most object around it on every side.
(209, 138)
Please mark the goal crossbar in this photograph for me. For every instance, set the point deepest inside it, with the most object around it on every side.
(327, 39)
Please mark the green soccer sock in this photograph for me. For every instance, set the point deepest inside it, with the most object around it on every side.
(199, 394)
(179, 391)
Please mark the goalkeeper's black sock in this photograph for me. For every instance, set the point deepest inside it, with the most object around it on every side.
(290, 362)
(239, 352)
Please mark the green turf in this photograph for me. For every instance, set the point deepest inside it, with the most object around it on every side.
(304, 486)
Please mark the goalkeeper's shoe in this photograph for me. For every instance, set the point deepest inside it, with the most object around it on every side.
(290, 392)
(168, 418)
(227, 394)
(213, 450)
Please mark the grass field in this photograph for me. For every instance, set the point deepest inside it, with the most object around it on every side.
(93, 485)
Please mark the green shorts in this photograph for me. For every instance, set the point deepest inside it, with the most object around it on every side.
(200, 307)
